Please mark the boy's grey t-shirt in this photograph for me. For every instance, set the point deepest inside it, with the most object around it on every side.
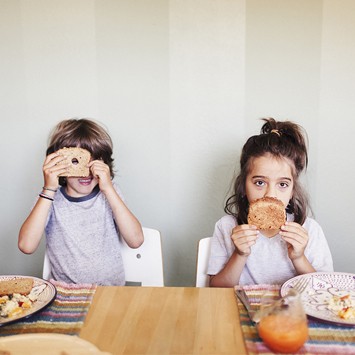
(268, 262)
(83, 241)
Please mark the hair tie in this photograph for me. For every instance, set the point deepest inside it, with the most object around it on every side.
(276, 131)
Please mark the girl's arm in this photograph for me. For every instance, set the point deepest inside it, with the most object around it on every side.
(32, 229)
(229, 276)
(302, 265)
(243, 237)
(128, 225)
(297, 239)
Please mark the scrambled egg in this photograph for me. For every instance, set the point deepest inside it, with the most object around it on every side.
(343, 306)
(14, 304)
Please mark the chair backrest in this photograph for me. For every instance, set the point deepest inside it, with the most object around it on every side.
(46, 273)
(143, 265)
(203, 254)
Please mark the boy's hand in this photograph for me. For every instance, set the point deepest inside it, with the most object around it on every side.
(101, 171)
(51, 170)
(296, 237)
(244, 237)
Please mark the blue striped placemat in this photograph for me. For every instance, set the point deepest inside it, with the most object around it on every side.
(324, 338)
(65, 315)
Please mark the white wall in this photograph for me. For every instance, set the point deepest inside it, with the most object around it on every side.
(180, 85)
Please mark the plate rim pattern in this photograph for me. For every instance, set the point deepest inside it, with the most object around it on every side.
(46, 302)
(327, 317)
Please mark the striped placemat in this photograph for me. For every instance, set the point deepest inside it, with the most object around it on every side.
(324, 338)
(65, 315)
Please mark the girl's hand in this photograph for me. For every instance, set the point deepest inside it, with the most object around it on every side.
(101, 171)
(296, 237)
(51, 170)
(244, 237)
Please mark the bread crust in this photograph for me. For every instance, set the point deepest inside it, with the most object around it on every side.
(22, 286)
(78, 158)
(267, 213)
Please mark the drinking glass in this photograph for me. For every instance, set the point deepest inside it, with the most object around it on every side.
(283, 323)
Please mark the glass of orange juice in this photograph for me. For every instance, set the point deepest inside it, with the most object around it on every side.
(283, 324)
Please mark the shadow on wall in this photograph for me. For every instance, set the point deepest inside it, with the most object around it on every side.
(199, 221)
(22, 264)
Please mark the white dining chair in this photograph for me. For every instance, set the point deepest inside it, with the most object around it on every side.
(143, 266)
(46, 273)
(203, 254)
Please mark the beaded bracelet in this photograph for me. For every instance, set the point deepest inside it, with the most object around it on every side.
(46, 197)
(48, 189)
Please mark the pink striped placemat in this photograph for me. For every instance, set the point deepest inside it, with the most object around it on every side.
(65, 315)
(324, 338)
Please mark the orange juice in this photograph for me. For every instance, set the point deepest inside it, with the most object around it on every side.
(282, 333)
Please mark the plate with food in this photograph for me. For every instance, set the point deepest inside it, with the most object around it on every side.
(23, 296)
(329, 296)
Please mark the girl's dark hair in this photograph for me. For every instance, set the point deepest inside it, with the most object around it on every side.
(281, 139)
(83, 133)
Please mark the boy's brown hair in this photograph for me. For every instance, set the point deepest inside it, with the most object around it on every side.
(84, 133)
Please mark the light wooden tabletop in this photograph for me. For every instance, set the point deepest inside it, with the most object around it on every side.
(164, 320)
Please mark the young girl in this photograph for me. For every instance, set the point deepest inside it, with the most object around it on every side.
(270, 165)
(83, 218)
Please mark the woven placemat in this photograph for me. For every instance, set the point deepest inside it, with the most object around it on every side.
(65, 315)
(324, 338)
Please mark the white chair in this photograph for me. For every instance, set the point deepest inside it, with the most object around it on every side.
(143, 265)
(46, 273)
(203, 254)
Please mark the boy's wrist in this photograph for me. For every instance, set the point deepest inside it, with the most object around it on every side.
(107, 190)
(48, 191)
(107, 187)
(49, 188)
(46, 197)
(241, 253)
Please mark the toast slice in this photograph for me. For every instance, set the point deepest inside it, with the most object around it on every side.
(78, 158)
(267, 213)
(22, 286)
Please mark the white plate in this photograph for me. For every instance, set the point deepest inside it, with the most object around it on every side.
(45, 297)
(47, 343)
(322, 286)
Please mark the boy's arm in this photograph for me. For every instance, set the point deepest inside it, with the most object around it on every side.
(32, 229)
(128, 225)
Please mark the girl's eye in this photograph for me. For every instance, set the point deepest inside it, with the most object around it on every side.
(259, 183)
(283, 184)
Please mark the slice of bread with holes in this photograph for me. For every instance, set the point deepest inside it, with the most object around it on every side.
(21, 285)
(78, 158)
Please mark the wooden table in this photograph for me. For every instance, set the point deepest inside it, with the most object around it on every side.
(164, 320)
